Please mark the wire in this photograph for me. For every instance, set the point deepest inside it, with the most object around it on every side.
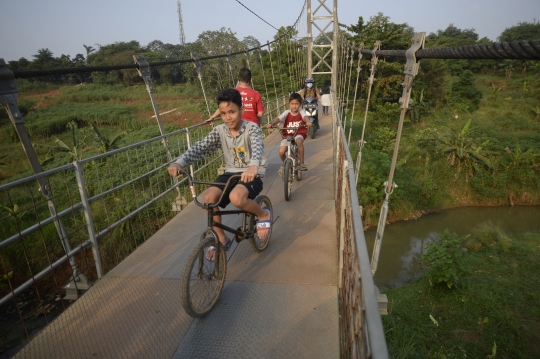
(257, 15)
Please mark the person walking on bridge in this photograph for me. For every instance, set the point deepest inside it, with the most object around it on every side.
(251, 99)
(325, 97)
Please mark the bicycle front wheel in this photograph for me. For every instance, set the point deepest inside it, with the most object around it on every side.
(203, 277)
(288, 178)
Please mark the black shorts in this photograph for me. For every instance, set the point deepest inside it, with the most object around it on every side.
(254, 187)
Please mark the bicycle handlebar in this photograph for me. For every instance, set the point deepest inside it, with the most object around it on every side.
(289, 128)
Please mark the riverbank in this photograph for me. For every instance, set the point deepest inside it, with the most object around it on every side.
(416, 215)
(494, 306)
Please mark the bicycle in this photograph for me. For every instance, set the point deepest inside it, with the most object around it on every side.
(203, 278)
(291, 171)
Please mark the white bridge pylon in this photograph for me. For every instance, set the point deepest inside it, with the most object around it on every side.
(320, 19)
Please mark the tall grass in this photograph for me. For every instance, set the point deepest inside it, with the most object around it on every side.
(495, 303)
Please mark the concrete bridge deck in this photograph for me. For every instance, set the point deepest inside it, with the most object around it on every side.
(281, 303)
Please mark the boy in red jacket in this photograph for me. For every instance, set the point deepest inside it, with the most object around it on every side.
(295, 117)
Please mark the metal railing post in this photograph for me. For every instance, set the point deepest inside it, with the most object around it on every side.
(9, 93)
(88, 217)
(188, 137)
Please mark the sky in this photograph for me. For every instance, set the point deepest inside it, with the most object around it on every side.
(64, 26)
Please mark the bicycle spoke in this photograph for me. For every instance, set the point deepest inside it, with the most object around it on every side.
(203, 279)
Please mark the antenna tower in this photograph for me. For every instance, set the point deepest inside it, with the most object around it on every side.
(182, 35)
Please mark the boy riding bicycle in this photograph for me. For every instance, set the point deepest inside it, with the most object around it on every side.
(242, 145)
(295, 117)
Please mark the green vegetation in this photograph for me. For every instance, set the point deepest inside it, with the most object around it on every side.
(495, 305)
(472, 135)
(445, 259)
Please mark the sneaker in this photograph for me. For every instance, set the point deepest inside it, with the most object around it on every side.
(210, 254)
(302, 167)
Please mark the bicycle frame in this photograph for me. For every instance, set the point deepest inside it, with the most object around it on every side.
(244, 232)
(291, 142)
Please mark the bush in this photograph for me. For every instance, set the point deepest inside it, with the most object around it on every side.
(445, 259)
(465, 92)
(489, 235)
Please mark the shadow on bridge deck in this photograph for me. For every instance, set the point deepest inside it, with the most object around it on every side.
(280, 303)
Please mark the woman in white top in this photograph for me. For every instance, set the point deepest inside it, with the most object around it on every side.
(325, 96)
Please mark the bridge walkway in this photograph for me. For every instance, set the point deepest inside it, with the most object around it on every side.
(281, 303)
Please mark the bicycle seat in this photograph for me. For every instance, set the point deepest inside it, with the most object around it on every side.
(289, 138)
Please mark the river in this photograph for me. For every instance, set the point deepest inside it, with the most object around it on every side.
(404, 241)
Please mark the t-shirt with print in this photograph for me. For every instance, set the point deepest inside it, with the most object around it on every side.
(289, 120)
(252, 102)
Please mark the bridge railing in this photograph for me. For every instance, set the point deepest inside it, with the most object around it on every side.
(361, 329)
(104, 206)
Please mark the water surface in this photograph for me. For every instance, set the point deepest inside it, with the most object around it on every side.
(404, 241)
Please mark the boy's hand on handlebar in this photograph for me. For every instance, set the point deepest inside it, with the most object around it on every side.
(250, 174)
(174, 170)
(268, 125)
(210, 120)
(309, 124)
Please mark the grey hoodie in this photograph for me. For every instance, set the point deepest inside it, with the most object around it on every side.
(239, 153)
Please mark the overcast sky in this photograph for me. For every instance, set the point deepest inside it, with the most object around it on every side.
(63, 26)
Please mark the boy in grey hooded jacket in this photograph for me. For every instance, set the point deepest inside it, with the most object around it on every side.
(242, 145)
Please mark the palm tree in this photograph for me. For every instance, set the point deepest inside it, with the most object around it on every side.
(107, 144)
(462, 151)
(75, 151)
(89, 50)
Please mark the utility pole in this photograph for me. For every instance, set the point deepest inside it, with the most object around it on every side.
(181, 23)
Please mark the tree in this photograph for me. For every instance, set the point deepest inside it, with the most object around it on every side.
(74, 152)
(19, 65)
(89, 50)
(522, 31)
(106, 144)
(44, 59)
(465, 91)
(379, 27)
(462, 151)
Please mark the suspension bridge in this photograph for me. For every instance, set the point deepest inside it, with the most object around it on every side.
(104, 256)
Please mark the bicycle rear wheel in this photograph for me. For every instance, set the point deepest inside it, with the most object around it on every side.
(288, 178)
(203, 279)
(259, 244)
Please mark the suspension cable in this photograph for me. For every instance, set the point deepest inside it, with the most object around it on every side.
(374, 60)
(264, 78)
(344, 86)
(257, 15)
(273, 78)
(289, 64)
(348, 94)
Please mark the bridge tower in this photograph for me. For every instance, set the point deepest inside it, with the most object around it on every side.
(181, 23)
(322, 47)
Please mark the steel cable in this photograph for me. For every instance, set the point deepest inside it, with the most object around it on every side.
(85, 69)
(523, 50)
